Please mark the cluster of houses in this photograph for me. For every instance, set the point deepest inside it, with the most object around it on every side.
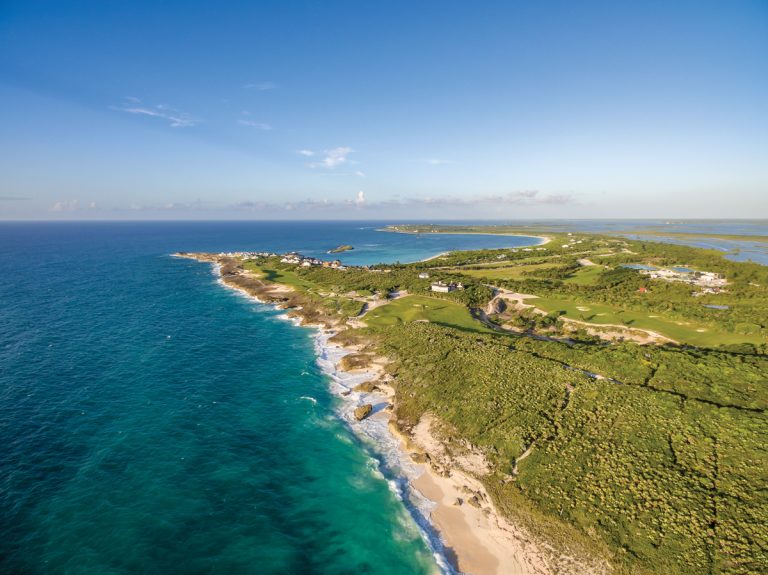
(572, 241)
(514, 251)
(308, 262)
(289, 258)
(248, 255)
(710, 282)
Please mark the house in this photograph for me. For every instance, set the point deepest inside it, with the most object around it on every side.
(443, 287)
(423, 276)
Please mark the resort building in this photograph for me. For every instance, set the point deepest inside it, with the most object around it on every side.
(443, 287)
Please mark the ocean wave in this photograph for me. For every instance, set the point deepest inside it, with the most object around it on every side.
(387, 458)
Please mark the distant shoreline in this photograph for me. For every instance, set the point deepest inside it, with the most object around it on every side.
(543, 239)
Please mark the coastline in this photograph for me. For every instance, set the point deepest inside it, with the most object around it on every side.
(436, 256)
(459, 522)
(544, 239)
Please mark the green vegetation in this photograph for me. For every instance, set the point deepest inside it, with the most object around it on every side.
(424, 309)
(666, 468)
(587, 275)
(617, 295)
(660, 232)
(504, 273)
(701, 334)
(340, 249)
(652, 456)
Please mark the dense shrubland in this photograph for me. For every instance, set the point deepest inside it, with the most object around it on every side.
(667, 468)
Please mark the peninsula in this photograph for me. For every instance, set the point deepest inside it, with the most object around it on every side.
(592, 405)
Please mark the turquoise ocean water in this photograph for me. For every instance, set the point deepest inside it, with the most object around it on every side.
(152, 421)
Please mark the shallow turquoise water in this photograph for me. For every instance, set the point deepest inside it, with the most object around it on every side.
(153, 421)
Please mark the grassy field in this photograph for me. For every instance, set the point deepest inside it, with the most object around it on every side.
(286, 277)
(587, 275)
(696, 236)
(683, 332)
(504, 273)
(421, 308)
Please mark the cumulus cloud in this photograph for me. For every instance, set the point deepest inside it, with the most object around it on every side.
(307, 153)
(519, 198)
(333, 158)
(175, 118)
(360, 174)
(65, 206)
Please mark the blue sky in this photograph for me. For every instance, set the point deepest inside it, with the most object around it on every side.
(390, 109)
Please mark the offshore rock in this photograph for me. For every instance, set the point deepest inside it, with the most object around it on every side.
(363, 411)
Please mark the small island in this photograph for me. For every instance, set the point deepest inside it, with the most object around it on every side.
(340, 249)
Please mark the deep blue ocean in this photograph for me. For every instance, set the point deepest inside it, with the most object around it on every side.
(153, 421)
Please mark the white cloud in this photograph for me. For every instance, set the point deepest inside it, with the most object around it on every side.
(261, 86)
(65, 206)
(253, 124)
(519, 199)
(307, 153)
(333, 158)
(436, 162)
(360, 174)
(175, 118)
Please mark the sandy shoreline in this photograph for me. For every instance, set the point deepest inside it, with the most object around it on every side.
(544, 239)
(459, 522)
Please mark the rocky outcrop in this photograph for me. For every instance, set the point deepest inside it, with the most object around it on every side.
(363, 411)
(366, 387)
(496, 306)
(355, 362)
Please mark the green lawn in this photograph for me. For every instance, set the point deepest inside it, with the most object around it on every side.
(420, 308)
(586, 275)
(504, 273)
(286, 277)
(681, 331)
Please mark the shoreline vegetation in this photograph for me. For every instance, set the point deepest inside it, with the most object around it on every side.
(465, 230)
(556, 444)
(695, 236)
(532, 231)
